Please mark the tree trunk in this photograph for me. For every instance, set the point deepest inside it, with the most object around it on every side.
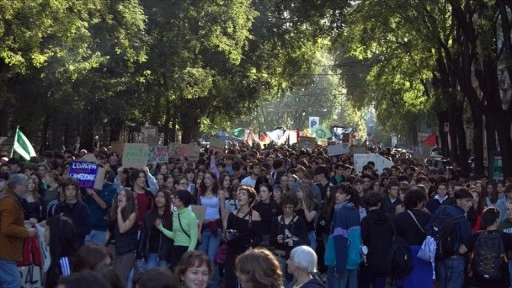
(167, 120)
(116, 127)
(44, 134)
(442, 117)
(478, 142)
(505, 140)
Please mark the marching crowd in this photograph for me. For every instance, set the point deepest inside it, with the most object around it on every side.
(280, 217)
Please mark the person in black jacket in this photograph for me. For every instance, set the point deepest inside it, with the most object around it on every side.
(287, 231)
(376, 234)
(73, 208)
(391, 200)
(154, 246)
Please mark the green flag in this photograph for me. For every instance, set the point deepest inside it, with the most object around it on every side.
(23, 146)
(322, 133)
(238, 133)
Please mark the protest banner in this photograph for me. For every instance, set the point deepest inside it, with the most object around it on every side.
(217, 144)
(338, 149)
(158, 154)
(135, 155)
(380, 162)
(88, 174)
(307, 142)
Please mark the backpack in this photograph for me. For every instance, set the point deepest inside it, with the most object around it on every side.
(488, 256)
(444, 233)
(399, 258)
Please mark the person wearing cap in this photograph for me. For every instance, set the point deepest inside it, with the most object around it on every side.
(13, 231)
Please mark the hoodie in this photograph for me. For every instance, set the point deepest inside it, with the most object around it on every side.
(377, 234)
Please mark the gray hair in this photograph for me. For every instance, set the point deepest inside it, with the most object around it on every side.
(304, 258)
(15, 179)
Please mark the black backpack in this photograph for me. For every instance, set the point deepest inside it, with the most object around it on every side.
(444, 233)
(488, 256)
(399, 258)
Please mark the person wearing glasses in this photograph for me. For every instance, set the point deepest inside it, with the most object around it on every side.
(287, 232)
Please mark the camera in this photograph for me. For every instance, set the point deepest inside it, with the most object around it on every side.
(231, 234)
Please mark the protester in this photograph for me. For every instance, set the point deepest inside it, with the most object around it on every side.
(122, 231)
(60, 236)
(410, 228)
(194, 270)
(184, 227)
(302, 265)
(92, 257)
(343, 257)
(243, 231)
(258, 268)
(73, 208)
(154, 247)
(12, 232)
(268, 209)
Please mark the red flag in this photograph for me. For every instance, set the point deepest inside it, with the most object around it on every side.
(430, 140)
(264, 138)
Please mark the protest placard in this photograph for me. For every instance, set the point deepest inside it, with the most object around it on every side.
(88, 174)
(190, 151)
(135, 155)
(380, 162)
(31, 276)
(217, 144)
(307, 142)
(158, 154)
(358, 150)
(149, 131)
(338, 149)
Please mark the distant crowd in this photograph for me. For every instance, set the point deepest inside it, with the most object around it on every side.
(281, 217)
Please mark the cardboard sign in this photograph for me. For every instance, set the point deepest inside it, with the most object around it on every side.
(158, 154)
(151, 140)
(88, 174)
(217, 144)
(149, 131)
(177, 151)
(338, 149)
(307, 142)
(135, 155)
(30, 276)
(199, 211)
(43, 248)
(358, 150)
(380, 162)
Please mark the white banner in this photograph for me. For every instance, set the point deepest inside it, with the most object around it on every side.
(380, 162)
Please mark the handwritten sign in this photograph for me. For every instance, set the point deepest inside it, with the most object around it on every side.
(217, 145)
(135, 155)
(380, 162)
(30, 276)
(191, 151)
(158, 154)
(338, 149)
(84, 172)
(149, 131)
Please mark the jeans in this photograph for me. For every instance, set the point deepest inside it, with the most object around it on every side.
(312, 239)
(153, 261)
(347, 279)
(450, 272)
(209, 245)
(9, 274)
(96, 237)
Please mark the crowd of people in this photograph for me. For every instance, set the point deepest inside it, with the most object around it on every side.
(271, 218)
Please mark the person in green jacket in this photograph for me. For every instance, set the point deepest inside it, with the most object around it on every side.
(184, 227)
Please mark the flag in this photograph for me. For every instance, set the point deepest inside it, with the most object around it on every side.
(238, 133)
(322, 133)
(23, 146)
(430, 140)
(248, 137)
(263, 138)
(277, 135)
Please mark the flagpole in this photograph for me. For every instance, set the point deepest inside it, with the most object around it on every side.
(15, 139)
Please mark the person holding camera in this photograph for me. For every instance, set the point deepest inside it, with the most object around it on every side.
(243, 231)
(287, 232)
